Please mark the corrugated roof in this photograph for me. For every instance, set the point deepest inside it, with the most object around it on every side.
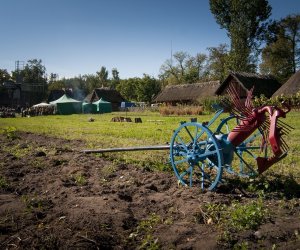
(292, 86)
(187, 92)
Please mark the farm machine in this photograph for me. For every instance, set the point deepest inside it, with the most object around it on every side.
(245, 143)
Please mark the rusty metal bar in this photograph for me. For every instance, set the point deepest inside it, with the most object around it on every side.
(142, 148)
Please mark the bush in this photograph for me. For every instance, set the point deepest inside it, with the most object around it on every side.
(181, 110)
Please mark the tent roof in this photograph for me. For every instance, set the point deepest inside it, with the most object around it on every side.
(100, 101)
(64, 99)
(42, 104)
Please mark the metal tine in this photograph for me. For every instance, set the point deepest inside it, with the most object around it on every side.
(236, 100)
(284, 130)
(285, 124)
(285, 127)
(284, 145)
(246, 108)
(284, 142)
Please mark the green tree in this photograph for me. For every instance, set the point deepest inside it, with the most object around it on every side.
(4, 75)
(276, 60)
(243, 20)
(147, 88)
(217, 62)
(56, 85)
(34, 72)
(196, 68)
(281, 55)
(291, 27)
(127, 88)
(115, 78)
(103, 76)
(91, 82)
(183, 68)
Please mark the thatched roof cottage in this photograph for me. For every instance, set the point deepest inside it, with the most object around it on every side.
(186, 93)
(291, 87)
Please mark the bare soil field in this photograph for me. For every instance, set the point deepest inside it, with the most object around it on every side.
(52, 196)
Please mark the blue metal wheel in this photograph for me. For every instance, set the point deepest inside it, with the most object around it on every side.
(196, 156)
(244, 163)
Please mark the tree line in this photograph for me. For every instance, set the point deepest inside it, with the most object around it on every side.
(257, 44)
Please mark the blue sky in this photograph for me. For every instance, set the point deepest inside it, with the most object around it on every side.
(74, 37)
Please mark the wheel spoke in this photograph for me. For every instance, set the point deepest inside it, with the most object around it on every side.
(182, 143)
(197, 159)
(180, 161)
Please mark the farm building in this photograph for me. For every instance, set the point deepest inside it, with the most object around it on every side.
(291, 87)
(242, 82)
(107, 94)
(14, 94)
(186, 93)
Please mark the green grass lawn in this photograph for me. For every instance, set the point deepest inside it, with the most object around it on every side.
(154, 130)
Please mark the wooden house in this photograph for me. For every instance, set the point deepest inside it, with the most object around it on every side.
(242, 82)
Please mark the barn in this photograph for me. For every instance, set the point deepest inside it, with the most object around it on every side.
(186, 93)
(263, 84)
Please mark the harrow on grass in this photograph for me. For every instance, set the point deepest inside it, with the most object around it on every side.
(246, 143)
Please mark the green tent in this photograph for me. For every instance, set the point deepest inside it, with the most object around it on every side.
(89, 108)
(66, 105)
(103, 106)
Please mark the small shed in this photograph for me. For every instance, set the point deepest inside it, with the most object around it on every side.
(66, 105)
(103, 106)
(186, 93)
(291, 87)
(263, 84)
(109, 95)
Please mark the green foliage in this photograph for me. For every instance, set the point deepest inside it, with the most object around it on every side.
(184, 68)
(103, 76)
(217, 62)
(10, 132)
(292, 100)
(139, 89)
(80, 179)
(243, 21)
(32, 203)
(3, 183)
(144, 232)
(281, 55)
(246, 216)
(4, 76)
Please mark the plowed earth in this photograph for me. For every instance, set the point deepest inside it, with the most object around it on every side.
(52, 196)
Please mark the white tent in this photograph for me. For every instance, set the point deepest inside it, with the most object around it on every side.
(42, 104)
